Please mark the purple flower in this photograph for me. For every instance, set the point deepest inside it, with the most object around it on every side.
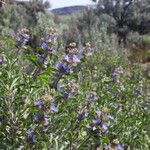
(73, 89)
(73, 148)
(31, 135)
(99, 113)
(49, 39)
(96, 98)
(96, 121)
(22, 38)
(89, 127)
(104, 126)
(52, 39)
(64, 67)
(41, 60)
(90, 103)
(83, 114)
(38, 103)
(74, 59)
(58, 87)
(18, 39)
(59, 66)
(38, 117)
(44, 46)
(70, 95)
(69, 57)
(34, 140)
(54, 108)
(12, 35)
(81, 50)
(120, 147)
(23, 46)
(45, 115)
(68, 69)
(30, 132)
(52, 49)
(110, 117)
(89, 53)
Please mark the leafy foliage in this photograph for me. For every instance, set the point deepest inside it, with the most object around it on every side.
(72, 86)
(81, 99)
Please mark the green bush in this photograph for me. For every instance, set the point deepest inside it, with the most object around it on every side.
(73, 99)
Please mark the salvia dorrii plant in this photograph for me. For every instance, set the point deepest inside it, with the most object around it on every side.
(69, 100)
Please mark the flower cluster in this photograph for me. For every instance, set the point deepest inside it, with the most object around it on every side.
(100, 124)
(73, 57)
(30, 136)
(70, 61)
(83, 114)
(63, 67)
(74, 88)
(91, 98)
(48, 46)
(22, 38)
(45, 106)
(116, 74)
(49, 42)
